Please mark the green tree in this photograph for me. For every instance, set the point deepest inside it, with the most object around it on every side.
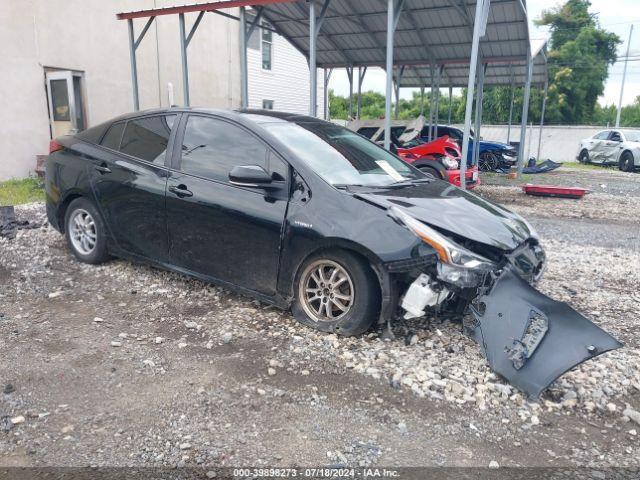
(579, 59)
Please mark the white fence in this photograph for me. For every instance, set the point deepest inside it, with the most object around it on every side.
(560, 143)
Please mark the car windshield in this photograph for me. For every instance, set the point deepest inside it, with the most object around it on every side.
(340, 156)
(632, 135)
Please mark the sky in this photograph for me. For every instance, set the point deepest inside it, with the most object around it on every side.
(614, 15)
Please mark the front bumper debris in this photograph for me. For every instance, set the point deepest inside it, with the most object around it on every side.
(529, 338)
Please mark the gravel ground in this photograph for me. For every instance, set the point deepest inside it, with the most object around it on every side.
(123, 364)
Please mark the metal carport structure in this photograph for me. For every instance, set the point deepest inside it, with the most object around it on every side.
(509, 73)
(361, 33)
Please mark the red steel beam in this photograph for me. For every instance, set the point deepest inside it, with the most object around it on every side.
(198, 7)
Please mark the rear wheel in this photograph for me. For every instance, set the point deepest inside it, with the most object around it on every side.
(85, 232)
(626, 162)
(584, 157)
(488, 162)
(336, 292)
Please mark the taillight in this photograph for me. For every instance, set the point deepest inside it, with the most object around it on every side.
(54, 146)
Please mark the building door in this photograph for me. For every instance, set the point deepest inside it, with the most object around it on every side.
(66, 104)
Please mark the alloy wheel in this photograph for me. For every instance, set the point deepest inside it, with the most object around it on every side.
(83, 232)
(487, 162)
(326, 291)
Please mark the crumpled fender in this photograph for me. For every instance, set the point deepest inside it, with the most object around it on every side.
(531, 339)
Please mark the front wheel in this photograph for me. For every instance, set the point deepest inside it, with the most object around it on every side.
(584, 157)
(336, 292)
(626, 162)
(488, 162)
(431, 171)
(85, 232)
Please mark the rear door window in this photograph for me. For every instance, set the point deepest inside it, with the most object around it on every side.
(113, 136)
(211, 147)
(147, 138)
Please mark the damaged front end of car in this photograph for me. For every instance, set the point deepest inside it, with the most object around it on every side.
(527, 337)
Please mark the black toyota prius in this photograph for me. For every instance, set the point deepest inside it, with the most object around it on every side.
(308, 215)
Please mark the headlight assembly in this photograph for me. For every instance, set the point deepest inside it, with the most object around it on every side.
(448, 251)
(450, 163)
(532, 231)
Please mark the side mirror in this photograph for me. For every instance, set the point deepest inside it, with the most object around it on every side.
(249, 176)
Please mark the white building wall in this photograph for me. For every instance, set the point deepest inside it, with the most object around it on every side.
(287, 83)
(85, 35)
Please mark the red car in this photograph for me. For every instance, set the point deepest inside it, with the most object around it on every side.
(440, 158)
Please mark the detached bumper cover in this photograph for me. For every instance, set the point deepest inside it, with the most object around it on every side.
(531, 339)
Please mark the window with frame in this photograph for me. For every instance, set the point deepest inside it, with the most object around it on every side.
(602, 135)
(212, 147)
(147, 138)
(267, 47)
(267, 104)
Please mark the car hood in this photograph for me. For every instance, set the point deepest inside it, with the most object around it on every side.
(495, 145)
(453, 210)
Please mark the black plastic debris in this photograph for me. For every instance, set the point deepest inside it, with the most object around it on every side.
(531, 339)
(9, 225)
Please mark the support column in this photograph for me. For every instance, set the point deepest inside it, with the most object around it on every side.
(421, 101)
(479, 98)
(513, 93)
(133, 47)
(361, 73)
(525, 114)
(185, 66)
(437, 116)
(389, 68)
(350, 77)
(544, 108)
(397, 90)
(431, 104)
(624, 77)
(450, 104)
(313, 70)
(244, 75)
(134, 66)
(185, 39)
(473, 64)
(326, 94)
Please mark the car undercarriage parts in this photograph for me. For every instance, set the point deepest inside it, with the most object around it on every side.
(531, 339)
(421, 294)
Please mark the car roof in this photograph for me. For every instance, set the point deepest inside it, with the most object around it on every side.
(244, 116)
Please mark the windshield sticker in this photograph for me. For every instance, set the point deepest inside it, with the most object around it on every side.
(389, 170)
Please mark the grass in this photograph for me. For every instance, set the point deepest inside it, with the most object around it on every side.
(584, 166)
(16, 192)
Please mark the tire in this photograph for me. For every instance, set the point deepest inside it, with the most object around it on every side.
(85, 232)
(431, 171)
(626, 162)
(584, 157)
(354, 286)
(488, 162)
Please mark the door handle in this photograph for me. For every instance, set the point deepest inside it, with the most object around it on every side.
(102, 169)
(181, 190)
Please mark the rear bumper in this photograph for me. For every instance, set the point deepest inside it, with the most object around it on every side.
(453, 176)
